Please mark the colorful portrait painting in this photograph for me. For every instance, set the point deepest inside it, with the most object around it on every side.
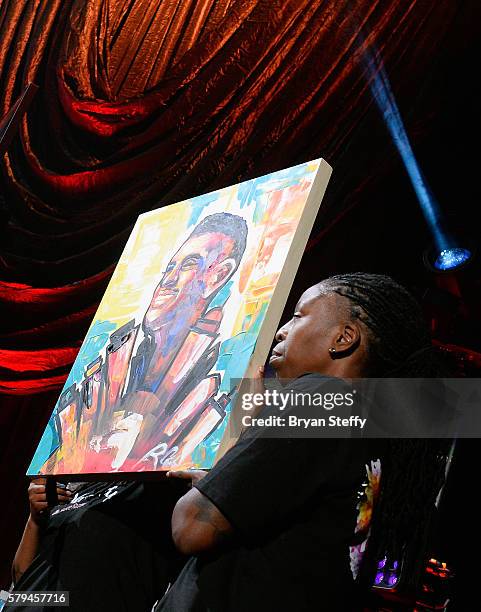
(198, 285)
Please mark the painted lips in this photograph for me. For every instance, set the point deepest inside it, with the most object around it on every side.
(163, 297)
(162, 294)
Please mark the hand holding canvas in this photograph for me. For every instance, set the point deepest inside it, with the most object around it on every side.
(192, 475)
(29, 544)
(37, 497)
(256, 386)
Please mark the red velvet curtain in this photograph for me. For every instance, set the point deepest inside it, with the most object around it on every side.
(143, 103)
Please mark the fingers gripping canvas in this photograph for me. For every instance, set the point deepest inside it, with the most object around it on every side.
(193, 305)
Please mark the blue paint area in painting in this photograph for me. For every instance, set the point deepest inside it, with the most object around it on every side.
(204, 455)
(234, 357)
(97, 338)
(221, 298)
(92, 346)
(198, 204)
(235, 352)
(47, 445)
(254, 190)
(233, 360)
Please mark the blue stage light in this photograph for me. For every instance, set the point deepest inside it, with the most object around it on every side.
(448, 259)
(448, 253)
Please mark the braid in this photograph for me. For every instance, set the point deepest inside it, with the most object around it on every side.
(399, 345)
(392, 316)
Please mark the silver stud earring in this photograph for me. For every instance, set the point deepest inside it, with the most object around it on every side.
(331, 350)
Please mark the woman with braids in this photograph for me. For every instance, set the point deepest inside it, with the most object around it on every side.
(270, 527)
(413, 471)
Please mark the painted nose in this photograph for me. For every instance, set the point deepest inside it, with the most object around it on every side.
(170, 279)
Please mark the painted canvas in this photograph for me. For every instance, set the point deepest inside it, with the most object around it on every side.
(193, 304)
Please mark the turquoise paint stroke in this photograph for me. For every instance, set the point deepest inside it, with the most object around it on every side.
(234, 357)
(199, 203)
(92, 346)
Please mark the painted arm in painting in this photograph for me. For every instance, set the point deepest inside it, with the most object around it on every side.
(30, 542)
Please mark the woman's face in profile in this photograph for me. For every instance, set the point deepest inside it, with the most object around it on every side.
(303, 342)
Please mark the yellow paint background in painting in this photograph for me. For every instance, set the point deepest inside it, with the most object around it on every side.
(152, 243)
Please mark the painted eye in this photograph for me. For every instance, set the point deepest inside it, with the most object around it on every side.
(187, 265)
(169, 268)
(190, 262)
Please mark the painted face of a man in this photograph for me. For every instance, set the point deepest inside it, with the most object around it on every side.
(195, 272)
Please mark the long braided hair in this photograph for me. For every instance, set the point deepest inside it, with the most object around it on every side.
(413, 471)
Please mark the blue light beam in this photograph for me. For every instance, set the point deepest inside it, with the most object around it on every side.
(384, 98)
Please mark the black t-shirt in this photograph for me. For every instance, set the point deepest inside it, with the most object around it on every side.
(293, 505)
(110, 547)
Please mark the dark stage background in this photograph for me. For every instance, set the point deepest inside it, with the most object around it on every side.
(145, 102)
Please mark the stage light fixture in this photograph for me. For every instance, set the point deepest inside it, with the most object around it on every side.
(448, 259)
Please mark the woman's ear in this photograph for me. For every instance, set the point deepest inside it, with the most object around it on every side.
(347, 339)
